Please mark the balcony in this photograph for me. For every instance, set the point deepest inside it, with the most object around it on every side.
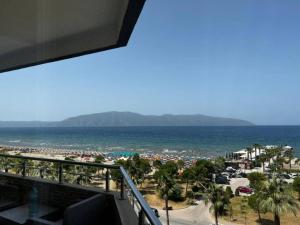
(46, 192)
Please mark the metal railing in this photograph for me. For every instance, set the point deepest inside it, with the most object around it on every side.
(128, 190)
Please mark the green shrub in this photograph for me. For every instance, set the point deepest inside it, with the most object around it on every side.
(175, 194)
(229, 192)
(195, 188)
(296, 186)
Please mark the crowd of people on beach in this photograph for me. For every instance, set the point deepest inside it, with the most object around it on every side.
(109, 156)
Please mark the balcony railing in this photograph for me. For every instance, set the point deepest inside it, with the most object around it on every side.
(60, 170)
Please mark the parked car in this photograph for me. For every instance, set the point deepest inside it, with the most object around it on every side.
(285, 176)
(246, 190)
(267, 169)
(235, 175)
(230, 169)
(227, 175)
(294, 175)
(221, 180)
(242, 174)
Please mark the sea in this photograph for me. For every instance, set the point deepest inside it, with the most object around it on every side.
(206, 141)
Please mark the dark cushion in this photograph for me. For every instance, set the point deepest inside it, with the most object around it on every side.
(6, 204)
(9, 192)
(39, 221)
(87, 212)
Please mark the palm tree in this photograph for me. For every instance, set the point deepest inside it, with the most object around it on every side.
(269, 154)
(219, 200)
(279, 161)
(244, 207)
(257, 147)
(156, 164)
(187, 175)
(263, 158)
(296, 186)
(180, 164)
(254, 201)
(278, 199)
(289, 154)
(166, 184)
(249, 153)
(274, 154)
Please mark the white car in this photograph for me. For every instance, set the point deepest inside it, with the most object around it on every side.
(294, 175)
(230, 169)
(225, 174)
(287, 178)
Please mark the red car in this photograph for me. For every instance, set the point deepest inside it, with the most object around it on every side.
(245, 190)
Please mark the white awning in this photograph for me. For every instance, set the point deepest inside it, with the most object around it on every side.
(243, 151)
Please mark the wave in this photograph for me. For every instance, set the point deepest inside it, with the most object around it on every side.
(14, 141)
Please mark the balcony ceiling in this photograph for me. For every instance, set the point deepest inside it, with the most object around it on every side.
(33, 32)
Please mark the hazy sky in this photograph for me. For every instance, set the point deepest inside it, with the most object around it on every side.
(233, 58)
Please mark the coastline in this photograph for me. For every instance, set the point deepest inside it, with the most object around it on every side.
(90, 155)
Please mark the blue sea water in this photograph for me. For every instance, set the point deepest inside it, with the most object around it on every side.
(205, 140)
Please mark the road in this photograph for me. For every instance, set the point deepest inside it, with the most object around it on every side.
(198, 214)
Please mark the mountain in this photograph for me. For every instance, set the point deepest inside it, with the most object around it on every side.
(125, 119)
